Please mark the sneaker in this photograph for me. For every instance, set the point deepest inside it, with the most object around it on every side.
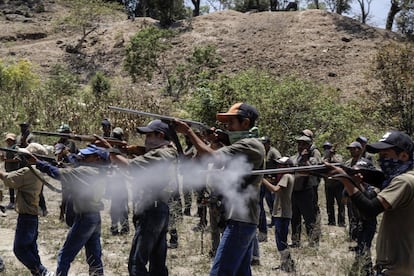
(262, 237)
(173, 245)
(10, 206)
(48, 273)
(114, 230)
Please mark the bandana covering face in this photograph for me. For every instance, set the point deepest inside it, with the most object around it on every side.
(235, 136)
(392, 168)
(155, 142)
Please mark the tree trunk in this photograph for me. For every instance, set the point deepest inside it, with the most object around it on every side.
(395, 8)
(196, 11)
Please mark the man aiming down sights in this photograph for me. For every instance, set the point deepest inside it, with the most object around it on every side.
(395, 241)
(234, 253)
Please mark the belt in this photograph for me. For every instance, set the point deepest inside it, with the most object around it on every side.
(241, 223)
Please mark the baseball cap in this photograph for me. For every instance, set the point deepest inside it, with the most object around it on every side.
(64, 128)
(364, 164)
(327, 145)
(362, 139)
(304, 138)
(155, 125)
(284, 161)
(265, 139)
(105, 122)
(59, 148)
(24, 124)
(10, 136)
(354, 144)
(307, 132)
(392, 139)
(93, 149)
(34, 148)
(239, 109)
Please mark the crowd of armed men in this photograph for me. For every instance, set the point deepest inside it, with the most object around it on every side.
(377, 179)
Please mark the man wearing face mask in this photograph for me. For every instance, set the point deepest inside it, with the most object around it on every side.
(395, 241)
(234, 253)
(151, 209)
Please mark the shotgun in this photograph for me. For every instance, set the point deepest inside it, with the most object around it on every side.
(167, 119)
(77, 137)
(371, 176)
(39, 156)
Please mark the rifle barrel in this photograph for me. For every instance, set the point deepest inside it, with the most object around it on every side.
(293, 169)
(39, 156)
(158, 116)
(77, 137)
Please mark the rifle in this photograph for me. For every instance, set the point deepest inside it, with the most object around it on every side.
(221, 135)
(76, 137)
(39, 156)
(166, 119)
(371, 176)
(123, 146)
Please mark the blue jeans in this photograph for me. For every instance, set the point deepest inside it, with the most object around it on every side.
(234, 253)
(281, 232)
(25, 243)
(85, 231)
(150, 242)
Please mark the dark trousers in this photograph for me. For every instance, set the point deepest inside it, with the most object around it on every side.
(150, 242)
(85, 232)
(333, 192)
(119, 209)
(11, 193)
(25, 243)
(281, 232)
(269, 197)
(303, 206)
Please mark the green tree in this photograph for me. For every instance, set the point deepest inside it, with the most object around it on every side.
(394, 65)
(17, 86)
(405, 22)
(85, 16)
(101, 86)
(286, 107)
(144, 52)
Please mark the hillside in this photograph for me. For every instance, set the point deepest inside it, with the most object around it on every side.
(312, 44)
(316, 45)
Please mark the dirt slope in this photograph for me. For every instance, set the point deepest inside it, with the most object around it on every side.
(312, 44)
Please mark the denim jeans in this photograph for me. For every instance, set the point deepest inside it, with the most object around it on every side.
(25, 243)
(150, 242)
(234, 253)
(85, 231)
(281, 232)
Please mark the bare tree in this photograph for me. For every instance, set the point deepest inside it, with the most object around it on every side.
(338, 6)
(365, 6)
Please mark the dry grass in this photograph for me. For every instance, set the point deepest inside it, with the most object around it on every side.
(330, 258)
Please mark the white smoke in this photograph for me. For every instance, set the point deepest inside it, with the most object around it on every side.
(154, 181)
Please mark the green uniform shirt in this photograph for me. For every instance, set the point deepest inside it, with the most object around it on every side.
(395, 241)
(253, 150)
(28, 188)
(155, 187)
(86, 184)
(282, 206)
